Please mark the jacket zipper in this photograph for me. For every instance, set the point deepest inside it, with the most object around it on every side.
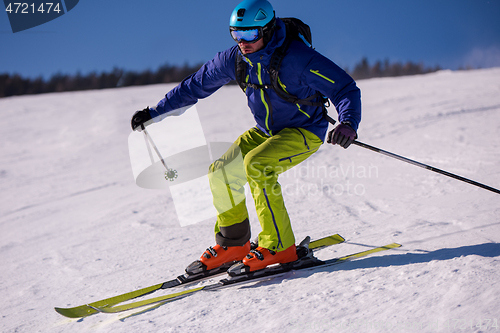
(263, 94)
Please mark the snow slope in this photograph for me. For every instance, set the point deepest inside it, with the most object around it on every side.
(74, 228)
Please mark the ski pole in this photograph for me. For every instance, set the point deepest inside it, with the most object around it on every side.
(422, 165)
(170, 174)
(425, 166)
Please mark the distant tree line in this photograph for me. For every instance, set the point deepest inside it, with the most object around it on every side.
(12, 85)
(363, 70)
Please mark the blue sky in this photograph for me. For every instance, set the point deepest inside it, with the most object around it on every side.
(98, 35)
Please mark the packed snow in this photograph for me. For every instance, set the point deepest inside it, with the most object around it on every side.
(75, 228)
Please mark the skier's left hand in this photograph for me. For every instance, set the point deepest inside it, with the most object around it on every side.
(343, 135)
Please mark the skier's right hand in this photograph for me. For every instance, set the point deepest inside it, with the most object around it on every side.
(343, 135)
(140, 119)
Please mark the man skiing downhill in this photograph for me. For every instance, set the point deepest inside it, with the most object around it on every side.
(285, 134)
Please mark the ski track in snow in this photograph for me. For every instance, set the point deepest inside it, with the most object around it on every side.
(75, 228)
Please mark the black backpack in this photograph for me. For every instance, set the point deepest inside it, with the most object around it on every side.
(295, 30)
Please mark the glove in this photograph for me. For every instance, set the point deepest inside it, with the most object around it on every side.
(141, 118)
(343, 135)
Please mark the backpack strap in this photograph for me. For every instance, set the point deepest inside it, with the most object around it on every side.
(240, 71)
(275, 66)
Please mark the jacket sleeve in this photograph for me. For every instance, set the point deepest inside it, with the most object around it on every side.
(323, 75)
(207, 80)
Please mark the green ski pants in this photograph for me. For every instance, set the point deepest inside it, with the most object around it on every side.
(258, 159)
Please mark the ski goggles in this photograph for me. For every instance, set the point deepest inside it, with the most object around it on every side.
(249, 35)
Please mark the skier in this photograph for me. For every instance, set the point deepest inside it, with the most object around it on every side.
(285, 134)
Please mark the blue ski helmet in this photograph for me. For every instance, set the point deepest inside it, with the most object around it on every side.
(252, 20)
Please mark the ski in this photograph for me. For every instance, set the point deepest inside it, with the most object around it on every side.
(265, 274)
(182, 280)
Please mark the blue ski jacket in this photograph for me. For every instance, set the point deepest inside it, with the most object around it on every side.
(303, 72)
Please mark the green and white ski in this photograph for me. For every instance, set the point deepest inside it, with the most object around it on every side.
(238, 280)
(92, 308)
